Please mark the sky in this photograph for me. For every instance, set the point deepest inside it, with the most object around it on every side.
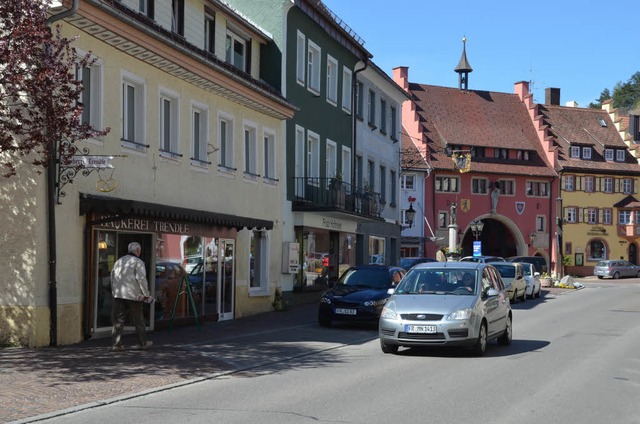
(578, 46)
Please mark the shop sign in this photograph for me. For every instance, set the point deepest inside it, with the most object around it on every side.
(138, 224)
(332, 224)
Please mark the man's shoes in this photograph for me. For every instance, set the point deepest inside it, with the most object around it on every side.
(117, 348)
(146, 346)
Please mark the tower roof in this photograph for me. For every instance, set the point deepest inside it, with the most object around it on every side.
(463, 65)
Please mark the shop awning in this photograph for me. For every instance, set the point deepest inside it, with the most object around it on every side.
(121, 208)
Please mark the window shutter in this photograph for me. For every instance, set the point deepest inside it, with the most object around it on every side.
(248, 58)
(616, 185)
(598, 184)
(581, 214)
(600, 215)
(634, 186)
(580, 183)
(562, 182)
(565, 214)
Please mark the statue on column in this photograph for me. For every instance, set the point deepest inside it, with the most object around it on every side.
(495, 194)
(452, 214)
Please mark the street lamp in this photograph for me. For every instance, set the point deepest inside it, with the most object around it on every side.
(410, 215)
(476, 227)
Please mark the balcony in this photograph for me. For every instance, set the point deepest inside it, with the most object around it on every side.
(327, 194)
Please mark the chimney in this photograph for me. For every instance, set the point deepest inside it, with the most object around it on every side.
(521, 88)
(401, 77)
(552, 96)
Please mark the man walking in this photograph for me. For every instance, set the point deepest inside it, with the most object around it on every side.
(130, 292)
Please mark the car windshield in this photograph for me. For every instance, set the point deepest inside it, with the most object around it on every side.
(366, 278)
(527, 270)
(602, 263)
(438, 281)
(506, 271)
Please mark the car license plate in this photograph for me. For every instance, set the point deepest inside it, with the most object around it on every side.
(345, 311)
(424, 329)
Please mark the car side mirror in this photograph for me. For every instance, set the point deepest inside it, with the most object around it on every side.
(491, 292)
(392, 290)
(536, 274)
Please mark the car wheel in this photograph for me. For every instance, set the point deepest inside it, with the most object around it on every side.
(616, 275)
(481, 343)
(600, 277)
(524, 295)
(386, 348)
(505, 338)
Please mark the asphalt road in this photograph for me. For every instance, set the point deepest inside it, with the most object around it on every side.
(574, 359)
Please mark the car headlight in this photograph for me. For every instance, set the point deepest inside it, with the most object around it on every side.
(375, 302)
(325, 300)
(389, 311)
(459, 314)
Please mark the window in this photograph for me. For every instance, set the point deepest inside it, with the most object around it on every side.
(608, 154)
(624, 217)
(596, 250)
(570, 215)
(133, 115)
(522, 155)
(477, 152)
(177, 16)
(346, 89)
(574, 152)
(331, 160)
(569, 182)
(313, 67)
(225, 140)
(250, 151)
(507, 187)
(332, 80)
(404, 221)
(592, 216)
(627, 185)
(346, 165)
(541, 223)
(446, 184)
(91, 97)
(588, 184)
(269, 155)
(407, 182)
(608, 185)
(443, 220)
(620, 155)
(146, 8)
(236, 49)
(299, 162)
(371, 172)
(169, 106)
(300, 58)
(501, 153)
(394, 123)
(199, 133)
(383, 183)
(359, 100)
(393, 196)
(209, 33)
(383, 116)
(313, 157)
(479, 185)
(586, 153)
(259, 262)
(537, 188)
(606, 216)
(372, 108)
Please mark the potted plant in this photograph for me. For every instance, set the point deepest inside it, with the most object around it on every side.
(545, 280)
(368, 199)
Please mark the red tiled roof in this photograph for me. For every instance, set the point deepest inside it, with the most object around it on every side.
(411, 158)
(479, 118)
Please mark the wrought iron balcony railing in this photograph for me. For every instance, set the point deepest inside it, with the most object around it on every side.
(329, 194)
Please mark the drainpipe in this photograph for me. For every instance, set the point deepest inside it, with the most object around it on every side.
(51, 205)
(354, 87)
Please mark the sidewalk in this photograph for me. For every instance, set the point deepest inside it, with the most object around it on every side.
(42, 381)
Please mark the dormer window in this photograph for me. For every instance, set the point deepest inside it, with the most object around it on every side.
(236, 51)
(574, 152)
(477, 152)
(620, 154)
(522, 155)
(586, 153)
(602, 122)
(501, 153)
(608, 155)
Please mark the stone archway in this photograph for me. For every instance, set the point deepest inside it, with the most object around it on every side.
(500, 237)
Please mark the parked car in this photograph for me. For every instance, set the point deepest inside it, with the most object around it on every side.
(482, 259)
(513, 277)
(538, 261)
(210, 277)
(407, 263)
(359, 294)
(432, 306)
(532, 278)
(616, 268)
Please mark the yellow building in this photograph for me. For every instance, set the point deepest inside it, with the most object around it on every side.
(196, 144)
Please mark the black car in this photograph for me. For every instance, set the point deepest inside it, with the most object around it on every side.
(358, 296)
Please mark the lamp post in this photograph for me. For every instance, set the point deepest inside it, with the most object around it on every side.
(410, 215)
(476, 227)
(559, 222)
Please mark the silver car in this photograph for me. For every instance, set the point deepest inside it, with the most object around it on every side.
(616, 268)
(447, 304)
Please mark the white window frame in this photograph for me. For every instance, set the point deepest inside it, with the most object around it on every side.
(225, 141)
(332, 80)
(607, 185)
(301, 58)
(536, 188)
(444, 180)
(137, 140)
(230, 40)
(586, 153)
(627, 185)
(477, 186)
(608, 155)
(591, 216)
(569, 182)
(507, 187)
(259, 282)
(589, 184)
(313, 158)
(607, 217)
(209, 33)
(346, 165)
(169, 138)
(250, 149)
(571, 214)
(408, 182)
(300, 155)
(347, 81)
(574, 152)
(314, 59)
(269, 154)
(94, 91)
(624, 217)
(620, 155)
(331, 159)
(200, 135)
(541, 223)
